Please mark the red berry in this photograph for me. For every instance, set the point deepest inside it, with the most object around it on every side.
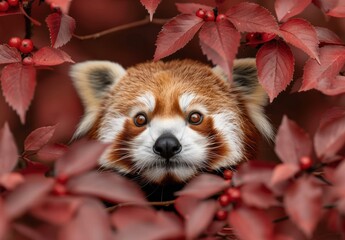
(305, 163)
(200, 13)
(209, 16)
(27, 46)
(59, 189)
(220, 17)
(4, 6)
(15, 42)
(221, 215)
(234, 194)
(13, 3)
(227, 174)
(28, 61)
(224, 200)
(62, 178)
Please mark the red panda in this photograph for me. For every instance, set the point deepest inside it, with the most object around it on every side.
(170, 121)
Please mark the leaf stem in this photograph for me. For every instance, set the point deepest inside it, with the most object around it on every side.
(164, 204)
(28, 25)
(146, 20)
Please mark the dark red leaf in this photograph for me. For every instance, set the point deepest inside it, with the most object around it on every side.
(90, 223)
(62, 4)
(26, 195)
(288, 9)
(51, 152)
(251, 224)
(251, 17)
(257, 195)
(48, 56)
(219, 41)
(302, 35)
(204, 186)
(8, 150)
(38, 138)
(330, 135)
(9, 55)
(303, 204)
(106, 185)
(18, 84)
(61, 27)
(321, 76)
(275, 64)
(292, 142)
(327, 36)
(283, 172)
(151, 6)
(82, 156)
(254, 172)
(147, 223)
(199, 218)
(176, 33)
(191, 8)
(56, 210)
(11, 180)
(34, 168)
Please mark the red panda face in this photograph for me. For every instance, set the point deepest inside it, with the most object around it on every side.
(170, 121)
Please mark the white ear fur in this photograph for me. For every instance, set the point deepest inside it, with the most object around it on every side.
(93, 80)
(245, 81)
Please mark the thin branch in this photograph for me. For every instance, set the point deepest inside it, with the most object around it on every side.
(146, 20)
(164, 204)
(28, 25)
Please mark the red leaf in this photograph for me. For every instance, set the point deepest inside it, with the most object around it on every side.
(48, 56)
(327, 36)
(303, 203)
(288, 9)
(38, 138)
(61, 27)
(9, 55)
(82, 156)
(302, 35)
(147, 223)
(176, 33)
(34, 168)
(199, 218)
(106, 185)
(321, 76)
(90, 223)
(18, 86)
(27, 194)
(204, 186)
(51, 152)
(62, 4)
(254, 172)
(11, 180)
(8, 150)
(219, 41)
(330, 135)
(286, 230)
(257, 195)
(283, 172)
(292, 142)
(191, 8)
(185, 205)
(337, 11)
(28, 232)
(151, 6)
(56, 210)
(275, 64)
(251, 224)
(251, 17)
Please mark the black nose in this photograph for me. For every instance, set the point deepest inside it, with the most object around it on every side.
(167, 145)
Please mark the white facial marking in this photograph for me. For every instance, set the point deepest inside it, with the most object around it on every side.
(148, 100)
(228, 124)
(185, 100)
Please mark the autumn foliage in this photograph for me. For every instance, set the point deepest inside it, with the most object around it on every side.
(51, 190)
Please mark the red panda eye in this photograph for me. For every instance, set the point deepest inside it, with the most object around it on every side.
(140, 120)
(195, 118)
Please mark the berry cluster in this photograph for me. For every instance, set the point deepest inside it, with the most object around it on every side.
(6, 5)
(231, 195)
(25, 46)
(209, 15)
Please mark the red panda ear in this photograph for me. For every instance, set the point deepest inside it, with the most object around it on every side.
(246, 82)
(93, 79)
